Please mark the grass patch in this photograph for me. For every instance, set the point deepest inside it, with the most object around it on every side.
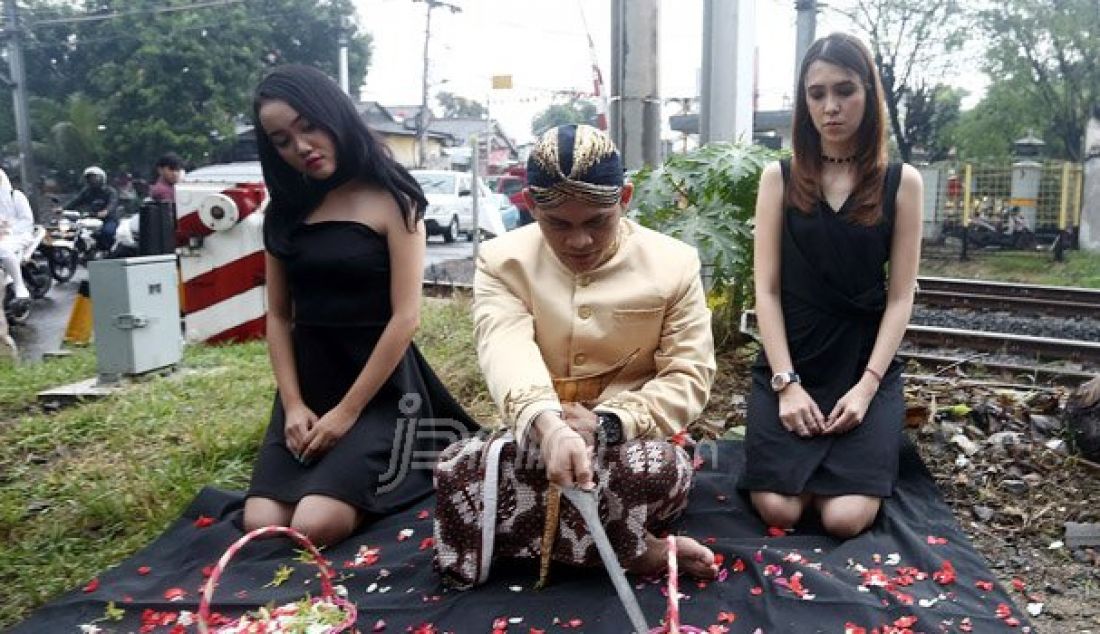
(84, 488)
(1081, 268)
(20, 383)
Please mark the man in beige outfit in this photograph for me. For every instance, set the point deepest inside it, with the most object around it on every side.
(593, 333)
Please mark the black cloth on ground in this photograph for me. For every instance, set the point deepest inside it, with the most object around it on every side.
(409, 593)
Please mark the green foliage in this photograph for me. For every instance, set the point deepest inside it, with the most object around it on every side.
(456, 106)
(1047, 52)
(707, 198)
(986, 131)
(178, 80)
(576, 110)
(930, 113)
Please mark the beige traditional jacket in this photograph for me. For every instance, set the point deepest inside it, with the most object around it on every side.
(535, 321)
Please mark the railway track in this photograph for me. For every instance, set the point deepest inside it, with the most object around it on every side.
(1041, 349)
(932, 341)
(1019, 299)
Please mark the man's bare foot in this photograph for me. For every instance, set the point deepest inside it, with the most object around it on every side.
(692, 558)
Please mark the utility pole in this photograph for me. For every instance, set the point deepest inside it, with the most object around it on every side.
(807, 27)
(13, 32)
(343, 36)
(635, 96)
(422, 119)
(726, 104)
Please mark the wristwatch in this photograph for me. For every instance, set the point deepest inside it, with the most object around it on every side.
(611, 427)
(781, 380)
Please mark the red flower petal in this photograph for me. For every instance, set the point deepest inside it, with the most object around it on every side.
(936, 541)
(905, 621)
(92, 586)
(726, 617)
(945, 575)
(738, 565)
(1018, 583)
(852, 628)
(379, 626)
(207, 571)
(175, 594)
(423, 515)
(984, 586)
(144, 570)
(203, 521)
(756, 591)
(427, 543)
(775, 531)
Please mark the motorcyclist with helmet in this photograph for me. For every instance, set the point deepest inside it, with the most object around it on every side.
(101, 200)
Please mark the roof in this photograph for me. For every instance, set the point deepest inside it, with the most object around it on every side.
(380, 119)
(762, 121)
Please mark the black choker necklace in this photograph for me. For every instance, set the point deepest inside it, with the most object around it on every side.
(839, 161)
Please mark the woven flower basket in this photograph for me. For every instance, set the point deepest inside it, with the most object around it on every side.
(326, 614)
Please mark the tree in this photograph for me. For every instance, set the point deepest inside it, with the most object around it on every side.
(987, 130)
(456, 106)
(575, 110)
(930, 114)
(1048, 51)
(908, 40)
(179, 80)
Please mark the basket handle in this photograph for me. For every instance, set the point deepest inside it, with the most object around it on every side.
(264, 531)
(673, 588)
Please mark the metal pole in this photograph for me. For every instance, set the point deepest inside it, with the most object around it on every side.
(343, 57)
(475, 169)
(635, 96)
(807, 27)
(27, 172)
(422, 116)
(727, 92)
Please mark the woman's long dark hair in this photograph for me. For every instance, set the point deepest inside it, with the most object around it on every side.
(804, 190)
(359, 155)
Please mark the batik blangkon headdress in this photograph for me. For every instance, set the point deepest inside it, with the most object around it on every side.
(575, 161)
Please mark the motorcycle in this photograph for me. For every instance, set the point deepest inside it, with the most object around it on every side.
(1011, 232)
(36, 275)
(60, 250)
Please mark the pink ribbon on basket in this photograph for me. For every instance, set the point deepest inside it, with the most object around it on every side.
(672, 618)
(326, 576)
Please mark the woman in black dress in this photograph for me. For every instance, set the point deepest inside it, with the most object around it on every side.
(349, 436)
(826, 405)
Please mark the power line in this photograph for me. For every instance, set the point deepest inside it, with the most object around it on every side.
(119, 14)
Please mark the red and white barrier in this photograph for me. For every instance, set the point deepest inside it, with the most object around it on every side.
(219, 232)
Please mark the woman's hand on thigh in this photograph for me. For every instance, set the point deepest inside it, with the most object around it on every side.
(799, 413)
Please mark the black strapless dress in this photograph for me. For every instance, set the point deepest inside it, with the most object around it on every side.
(339, 282)
(833, 294)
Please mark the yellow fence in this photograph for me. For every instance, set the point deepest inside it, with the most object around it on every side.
(967, 190)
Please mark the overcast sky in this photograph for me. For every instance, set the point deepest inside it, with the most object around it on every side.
(542, 44)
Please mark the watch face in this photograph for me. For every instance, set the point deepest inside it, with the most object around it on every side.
(779, 381)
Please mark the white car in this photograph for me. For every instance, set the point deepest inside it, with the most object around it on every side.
(450, 205)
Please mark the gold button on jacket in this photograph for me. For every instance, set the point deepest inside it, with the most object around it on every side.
(536, 321)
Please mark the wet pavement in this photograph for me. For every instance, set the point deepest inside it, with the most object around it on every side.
(45, 329)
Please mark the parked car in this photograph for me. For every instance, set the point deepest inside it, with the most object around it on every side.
(450, 205)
